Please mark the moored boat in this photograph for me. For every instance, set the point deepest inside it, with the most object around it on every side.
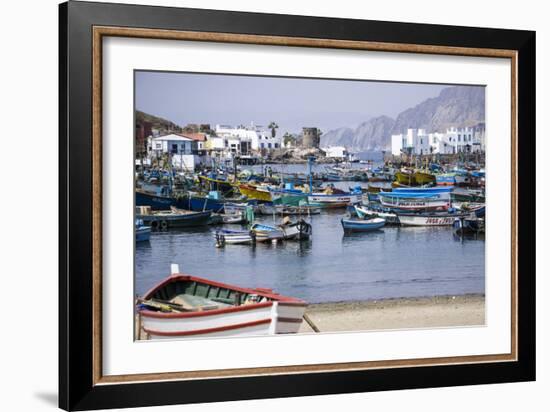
(191, 307)
(365, 212)
(362, 225)
(257, 192)
(281, 210)
(234, 237)
(300, 230)
(428, 219)
(143, 233)
(335, 198)
(265, 233)
(415, 201)
(469, 225)
(163, 219)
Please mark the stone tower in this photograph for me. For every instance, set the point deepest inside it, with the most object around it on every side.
(310, 137)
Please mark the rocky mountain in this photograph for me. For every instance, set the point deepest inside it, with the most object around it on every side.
(156, 122)
(455, 106)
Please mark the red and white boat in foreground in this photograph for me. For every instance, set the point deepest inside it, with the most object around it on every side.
(184, 306)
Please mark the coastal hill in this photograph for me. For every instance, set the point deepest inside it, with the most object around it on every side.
(156, 122)
(455, 106)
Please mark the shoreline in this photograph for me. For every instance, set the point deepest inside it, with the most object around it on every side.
(397, 313)
(390, 313)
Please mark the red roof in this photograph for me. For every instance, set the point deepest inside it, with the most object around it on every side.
(199, 137)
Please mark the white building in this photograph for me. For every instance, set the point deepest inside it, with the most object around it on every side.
(454, 140)
(335, 152)
(415, 141)
(258, 137)
(183, 151)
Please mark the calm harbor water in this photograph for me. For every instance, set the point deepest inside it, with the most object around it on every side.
(331, 267)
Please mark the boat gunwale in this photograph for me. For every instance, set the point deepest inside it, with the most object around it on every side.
(208, 330)
(282, 299)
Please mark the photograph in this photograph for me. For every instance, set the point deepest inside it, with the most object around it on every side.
(269, 205)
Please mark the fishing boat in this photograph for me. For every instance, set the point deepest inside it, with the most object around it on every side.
(281, 210)
(143, 233)
(422, 177)
(157, 201)
(365, 212)
(362, 225)
(233, 218)
(405, 177)
(428, 219)
(163, 219)
(415, 201)
(200, 202)
(445, 179)
(335, 198)
(192, 307)
(234, 237)
(300, 230)
(265, 233)
(224, 186)
(257, 192)
(469, 225)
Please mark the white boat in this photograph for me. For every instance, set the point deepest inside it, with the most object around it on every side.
(233, 218)
(265, 233)
(413, 201)
(233, 237)
(300, 230)
(427, 219)
(335, 200)
(184, 306)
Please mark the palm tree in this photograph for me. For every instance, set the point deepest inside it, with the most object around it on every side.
(273, 126)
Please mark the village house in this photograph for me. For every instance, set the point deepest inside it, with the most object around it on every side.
(187, 151)
(259, 138)
(453, 140)
(336, 152)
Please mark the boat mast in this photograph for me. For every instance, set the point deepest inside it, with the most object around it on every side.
(310, 160)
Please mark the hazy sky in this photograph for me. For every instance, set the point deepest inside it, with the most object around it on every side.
(292, 103)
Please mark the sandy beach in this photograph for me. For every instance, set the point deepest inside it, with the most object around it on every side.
(403, 313)
(440, 311)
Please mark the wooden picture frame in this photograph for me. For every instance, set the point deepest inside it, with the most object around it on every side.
(82, 27)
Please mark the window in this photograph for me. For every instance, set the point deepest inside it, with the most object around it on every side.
(276, 145)
(269, 145)
(174, 148)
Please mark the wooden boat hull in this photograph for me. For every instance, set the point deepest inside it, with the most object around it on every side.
(265, 233)
(233, 237)
(281, 210)
(427, 220)
(405, 178)
(143, 233)
(274, 315)
(422, 178)
(166, 220)
(300, 230)
(413, 204)
(359, 225)
(390, 218)
(334, 201)
(253, 193)
(154, 201)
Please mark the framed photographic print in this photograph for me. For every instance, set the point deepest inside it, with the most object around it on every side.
(259, 205)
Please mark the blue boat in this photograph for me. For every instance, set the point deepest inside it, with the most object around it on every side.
(410, 195)
(175, 218)
(423, 189)
(360, 225)
(155, 201)
(143, 233)
(199, 203)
